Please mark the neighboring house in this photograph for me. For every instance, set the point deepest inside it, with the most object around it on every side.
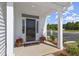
(27, 20)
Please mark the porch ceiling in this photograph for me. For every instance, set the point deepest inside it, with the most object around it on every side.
(40, 8)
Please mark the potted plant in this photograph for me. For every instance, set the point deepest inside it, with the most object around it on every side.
(42, 38)
(19, 42)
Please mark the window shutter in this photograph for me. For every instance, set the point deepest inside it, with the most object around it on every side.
(2, 29)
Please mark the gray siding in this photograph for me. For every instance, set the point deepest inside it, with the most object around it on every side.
(2, 28)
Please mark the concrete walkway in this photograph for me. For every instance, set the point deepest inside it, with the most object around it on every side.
(35, 50)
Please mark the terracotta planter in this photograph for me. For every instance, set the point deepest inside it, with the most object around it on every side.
(42, 39)
(19, 42)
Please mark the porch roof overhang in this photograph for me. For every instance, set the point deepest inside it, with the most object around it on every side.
(41, 8)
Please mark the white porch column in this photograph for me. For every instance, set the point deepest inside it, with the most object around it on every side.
(45, 28)
(10, 27)
(60, 31)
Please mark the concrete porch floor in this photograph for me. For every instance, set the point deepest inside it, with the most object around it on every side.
(36, 50)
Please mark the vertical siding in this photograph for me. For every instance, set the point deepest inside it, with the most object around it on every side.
(2, 28)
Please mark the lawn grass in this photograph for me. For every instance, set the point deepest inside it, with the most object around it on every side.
(71, 30)
(67, 30)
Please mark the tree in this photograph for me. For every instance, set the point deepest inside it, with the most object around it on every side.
(48, 26)
(77, 26)
(52, 26)
(71, 26)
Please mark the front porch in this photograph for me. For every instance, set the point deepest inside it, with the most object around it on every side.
(19, 13)
(39, 49)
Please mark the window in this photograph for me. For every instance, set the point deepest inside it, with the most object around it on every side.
(23, 26)
(37, 26)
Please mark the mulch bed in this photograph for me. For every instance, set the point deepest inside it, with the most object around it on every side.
(61, 53)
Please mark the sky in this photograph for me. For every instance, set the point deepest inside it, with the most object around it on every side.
(70, 15)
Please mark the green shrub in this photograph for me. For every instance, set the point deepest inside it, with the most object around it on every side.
(64, 40)
(52, 37)
(73, 50)
(77, 43)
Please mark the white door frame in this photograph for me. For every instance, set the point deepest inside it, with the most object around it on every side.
(24, 35)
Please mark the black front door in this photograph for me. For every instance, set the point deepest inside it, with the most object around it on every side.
(30, 30)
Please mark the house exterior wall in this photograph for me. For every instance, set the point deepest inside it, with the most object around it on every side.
(2, 29)
(18, 10)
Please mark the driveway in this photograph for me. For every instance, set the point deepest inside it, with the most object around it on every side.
(35, 50)
(69, 36)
